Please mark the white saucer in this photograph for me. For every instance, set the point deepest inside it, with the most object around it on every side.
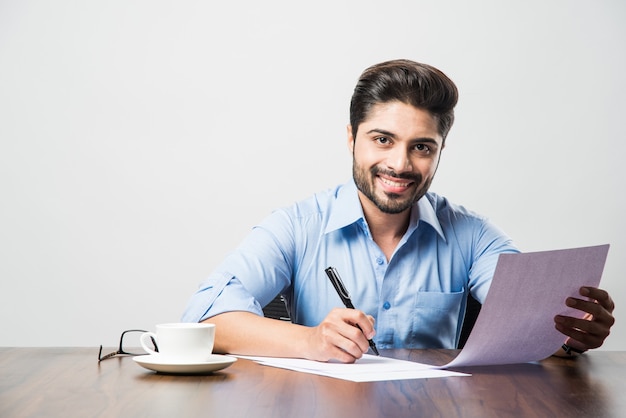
(158, 363)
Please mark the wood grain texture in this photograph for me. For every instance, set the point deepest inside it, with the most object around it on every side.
(69, 382)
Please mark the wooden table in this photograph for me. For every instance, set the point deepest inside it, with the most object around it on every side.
(69, 382)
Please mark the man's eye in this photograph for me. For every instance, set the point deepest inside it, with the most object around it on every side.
(422, 148)
(382, 140)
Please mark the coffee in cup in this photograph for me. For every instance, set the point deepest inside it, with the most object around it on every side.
(182, 342)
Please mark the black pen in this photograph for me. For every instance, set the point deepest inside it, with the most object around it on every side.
(332, 274)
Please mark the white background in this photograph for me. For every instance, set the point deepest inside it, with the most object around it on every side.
(141, 140)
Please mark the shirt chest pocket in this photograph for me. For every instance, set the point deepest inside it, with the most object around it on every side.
(434, 319)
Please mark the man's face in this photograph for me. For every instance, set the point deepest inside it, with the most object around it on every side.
(395, 156)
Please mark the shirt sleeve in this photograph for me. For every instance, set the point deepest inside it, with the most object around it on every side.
(489, 242)
(251, 276)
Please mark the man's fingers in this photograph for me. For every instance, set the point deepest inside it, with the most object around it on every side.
(599, 295)
(340, 338)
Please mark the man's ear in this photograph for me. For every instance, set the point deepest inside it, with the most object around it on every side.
(350, 138)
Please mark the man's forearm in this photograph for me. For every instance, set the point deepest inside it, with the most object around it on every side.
(248, 334)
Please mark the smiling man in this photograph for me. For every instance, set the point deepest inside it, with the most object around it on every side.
(408, 257)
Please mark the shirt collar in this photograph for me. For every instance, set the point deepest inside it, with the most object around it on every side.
(427, 213)
(347, 209)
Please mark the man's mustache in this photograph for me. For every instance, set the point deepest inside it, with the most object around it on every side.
(405, 176)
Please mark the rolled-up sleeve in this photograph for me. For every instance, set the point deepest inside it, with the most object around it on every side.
(220, 293)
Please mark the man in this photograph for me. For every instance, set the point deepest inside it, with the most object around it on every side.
(409, 257)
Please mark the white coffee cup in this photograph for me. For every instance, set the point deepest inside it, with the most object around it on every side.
(181, 342)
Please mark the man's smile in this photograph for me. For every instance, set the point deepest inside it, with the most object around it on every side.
(394, 185)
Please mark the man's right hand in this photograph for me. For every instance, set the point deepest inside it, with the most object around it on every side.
(338, 338)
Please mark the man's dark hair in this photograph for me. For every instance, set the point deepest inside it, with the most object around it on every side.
(420, 85)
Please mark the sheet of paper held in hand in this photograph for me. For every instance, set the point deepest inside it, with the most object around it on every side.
(515, 324)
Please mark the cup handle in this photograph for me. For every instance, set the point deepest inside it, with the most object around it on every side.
(144, 342)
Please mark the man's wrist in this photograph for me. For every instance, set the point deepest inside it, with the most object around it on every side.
(571, 351)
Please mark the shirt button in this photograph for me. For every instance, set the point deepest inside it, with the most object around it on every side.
(380, 261)
(386, 305)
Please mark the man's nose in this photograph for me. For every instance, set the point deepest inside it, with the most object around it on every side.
(398, 160)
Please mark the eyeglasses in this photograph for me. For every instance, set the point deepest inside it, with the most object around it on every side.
(136, 333)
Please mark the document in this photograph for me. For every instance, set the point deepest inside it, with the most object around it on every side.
(515, 324)
(368, 368)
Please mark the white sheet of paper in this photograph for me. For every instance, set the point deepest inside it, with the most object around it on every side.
(369, 368)
(516, 322)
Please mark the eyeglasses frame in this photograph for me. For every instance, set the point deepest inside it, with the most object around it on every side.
(120, 350)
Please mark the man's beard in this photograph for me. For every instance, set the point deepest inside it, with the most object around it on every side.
(393, 203)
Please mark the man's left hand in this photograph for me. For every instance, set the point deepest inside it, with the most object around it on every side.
(590, 331)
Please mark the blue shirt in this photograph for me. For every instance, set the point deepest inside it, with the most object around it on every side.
(418, 298)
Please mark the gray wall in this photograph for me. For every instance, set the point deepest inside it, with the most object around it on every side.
(141, 140)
